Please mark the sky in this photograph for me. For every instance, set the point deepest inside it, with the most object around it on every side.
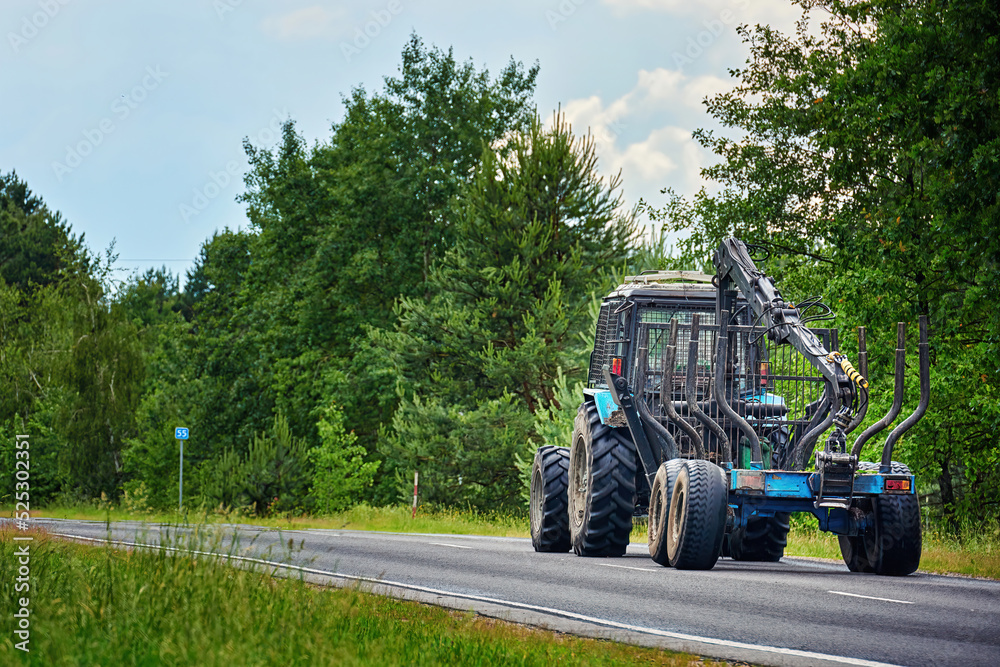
(129, 117)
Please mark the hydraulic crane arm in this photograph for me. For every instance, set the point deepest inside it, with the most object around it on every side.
(781, 322)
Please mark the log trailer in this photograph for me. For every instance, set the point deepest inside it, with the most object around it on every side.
(706, 400)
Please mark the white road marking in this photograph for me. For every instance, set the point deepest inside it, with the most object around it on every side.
(869, 597)
(507, 603)
(453, 546)
(628, 567)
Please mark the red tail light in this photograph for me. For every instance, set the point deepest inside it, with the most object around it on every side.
(616, 365)
(897, 485)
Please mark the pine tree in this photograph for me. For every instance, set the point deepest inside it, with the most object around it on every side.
(537, 230)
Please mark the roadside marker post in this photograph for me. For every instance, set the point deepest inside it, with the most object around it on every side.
(181, 434)
(415, 477)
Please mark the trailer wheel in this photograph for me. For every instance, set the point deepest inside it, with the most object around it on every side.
(659, 508)
(601, 486)
(696, 520)
(853, 549)
(892, 542)
(549, 514)
(763, 539)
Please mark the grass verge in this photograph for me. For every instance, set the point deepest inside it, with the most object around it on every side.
(103, 606)
(397, 519)
(972, 552)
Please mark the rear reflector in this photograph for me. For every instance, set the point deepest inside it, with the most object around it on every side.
(747, 480)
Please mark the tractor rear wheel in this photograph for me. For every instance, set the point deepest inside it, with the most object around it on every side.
(549, 513)
(659, 508)
(602, 469)
(696, 520)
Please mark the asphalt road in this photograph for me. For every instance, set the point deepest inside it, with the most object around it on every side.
(798, 611)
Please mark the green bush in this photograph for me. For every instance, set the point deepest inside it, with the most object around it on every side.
(340, 471)
(272, 476)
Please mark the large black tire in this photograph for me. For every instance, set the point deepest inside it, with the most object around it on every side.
(892, 543)
(549, 509)
(601, 486)
(763, 539)
(696, 521)
(659, 508)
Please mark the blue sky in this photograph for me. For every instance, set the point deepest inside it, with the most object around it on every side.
(129, 117)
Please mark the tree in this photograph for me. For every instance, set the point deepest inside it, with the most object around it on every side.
(340, 471)
(271, 475)
(275, 316)
(344, 228)
(99, 373)
(537, 230)
(869, 160)
(72, 369)
(36, 245)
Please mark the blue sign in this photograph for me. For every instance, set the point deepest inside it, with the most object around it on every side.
(181, 433)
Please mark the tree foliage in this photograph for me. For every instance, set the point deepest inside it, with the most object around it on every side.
(71, 366)
(340, 471)
(273, 319)
(536, 229)
(343, 229)
(36, 245)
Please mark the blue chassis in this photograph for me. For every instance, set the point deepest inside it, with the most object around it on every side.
(758, 492)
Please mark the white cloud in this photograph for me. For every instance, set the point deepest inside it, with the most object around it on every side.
(701, 87)
(305, 23)
(666, 156)
(651, 158)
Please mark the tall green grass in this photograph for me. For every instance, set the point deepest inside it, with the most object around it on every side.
(102, 606)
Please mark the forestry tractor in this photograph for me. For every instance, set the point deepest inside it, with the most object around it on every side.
(707, 398)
